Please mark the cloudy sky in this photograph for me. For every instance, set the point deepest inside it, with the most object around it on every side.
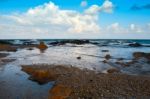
(67, 19)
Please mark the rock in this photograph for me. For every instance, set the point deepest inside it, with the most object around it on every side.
(104, 61)
(120, 59)
(63, 42)
(79, 58)
(135, 45)
(105, 50)
(59, 92)
(42, 76)
(107, 56)
(113, 70)
(2, 55)
(42, 46)
(30, 48)
(138, 55)
(7, 47)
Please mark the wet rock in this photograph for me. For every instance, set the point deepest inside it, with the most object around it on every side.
(5, 42)
(107, 56)
(113, 70)
(2, 55)
(79, 58)
(30, 49)
(120, 59)
(42, 76)
(7, 60)
(105, 50)
(42, 46)
(7, 47)
(63, 42)
(138, 55)
(135, 45)
(104, 61)
(59, 92)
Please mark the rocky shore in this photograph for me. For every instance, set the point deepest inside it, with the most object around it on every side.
(74, 83)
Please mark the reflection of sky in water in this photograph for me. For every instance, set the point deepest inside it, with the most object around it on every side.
(68, 55)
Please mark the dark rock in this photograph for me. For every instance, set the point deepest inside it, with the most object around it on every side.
(79, 58)
(105, 50)
(104, 61)
(138, 55)
(30, 49)
(135, 45)
(107, 56)
(5, 42)
(2, 55)
(63, 42)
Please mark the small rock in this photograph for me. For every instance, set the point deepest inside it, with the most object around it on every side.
(105, 50)
(104, 61)
(107, 56)
(79, 58)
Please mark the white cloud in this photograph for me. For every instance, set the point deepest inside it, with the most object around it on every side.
(83, 3)
(51, 16)
(107, 7)
(135, 28)
(49, 21)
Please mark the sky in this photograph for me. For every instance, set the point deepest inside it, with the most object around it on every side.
(78, 19)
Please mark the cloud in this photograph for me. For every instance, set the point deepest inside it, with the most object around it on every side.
(51, 16)
(130, 29)
(144, 7)
(49, 19)
(106, 7)
(83, 3)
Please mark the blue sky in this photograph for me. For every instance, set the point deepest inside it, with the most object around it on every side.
(126, 14)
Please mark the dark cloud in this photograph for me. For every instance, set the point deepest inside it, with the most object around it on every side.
(136, 7)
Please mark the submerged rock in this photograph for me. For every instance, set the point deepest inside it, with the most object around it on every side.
(135, 45)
